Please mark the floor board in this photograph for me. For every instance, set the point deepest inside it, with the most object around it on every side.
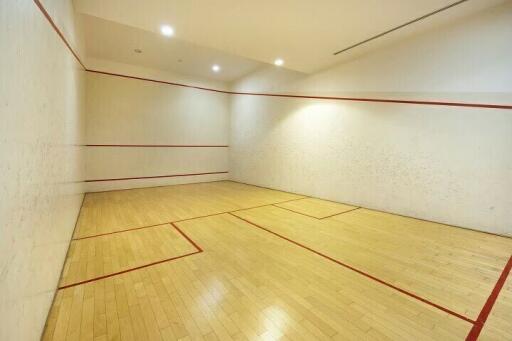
(446, 265)
(268, 273)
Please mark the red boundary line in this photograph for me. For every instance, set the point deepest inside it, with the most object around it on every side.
(59, 33)
(311, 216)
(155, 176)
(355, 99)
(199, 250)
(157, 145)
(334, 215)
(119, 231)
(187, 237)
(446, 310)
(489, 304)
(250, 208)
(128, 270)
(179, 221)
(160, 81)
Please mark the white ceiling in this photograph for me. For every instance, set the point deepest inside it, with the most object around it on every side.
(242, 34)
(116, 42)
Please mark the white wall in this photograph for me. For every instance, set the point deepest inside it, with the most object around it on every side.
(129, 111)
(41, 126)
(446, 164)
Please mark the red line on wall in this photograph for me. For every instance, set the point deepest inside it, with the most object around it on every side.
(489, 304)
(194, 244)
(410, 294)
(155, 176)
(158, 81)
(56, 29)
(355, 99)
(159, 145)
(381, 100)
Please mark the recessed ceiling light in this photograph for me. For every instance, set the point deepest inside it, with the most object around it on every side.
(215, 68)
(278, 62)
(167, 30)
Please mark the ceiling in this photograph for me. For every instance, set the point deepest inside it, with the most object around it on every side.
(242, 35)
(117, 42)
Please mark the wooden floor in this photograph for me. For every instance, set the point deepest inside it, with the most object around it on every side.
(228, 261)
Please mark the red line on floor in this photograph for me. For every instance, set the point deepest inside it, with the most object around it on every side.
(334, 215)
(186, 237)
(311, 216)
(199, 217)
(119, 231)
(178, 221)
(156, 176)
(446, 310)
(194, 244)
(159, 145)
(128, 270)
(250, 208)
(57, 30)
(289, 209)
(489, 304)
(149, 226)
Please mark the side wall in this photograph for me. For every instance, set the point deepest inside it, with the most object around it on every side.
(41, 165)
(124, 111)
(446, 164)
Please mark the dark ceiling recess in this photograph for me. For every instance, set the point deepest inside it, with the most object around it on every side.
(401, 26)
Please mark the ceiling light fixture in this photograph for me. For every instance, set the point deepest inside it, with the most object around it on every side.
(278, 62)
(167, 30)
(215, 68)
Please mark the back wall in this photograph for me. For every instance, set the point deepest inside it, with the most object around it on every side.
(176, 130)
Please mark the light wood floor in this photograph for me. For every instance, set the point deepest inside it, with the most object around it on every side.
(227, 261)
